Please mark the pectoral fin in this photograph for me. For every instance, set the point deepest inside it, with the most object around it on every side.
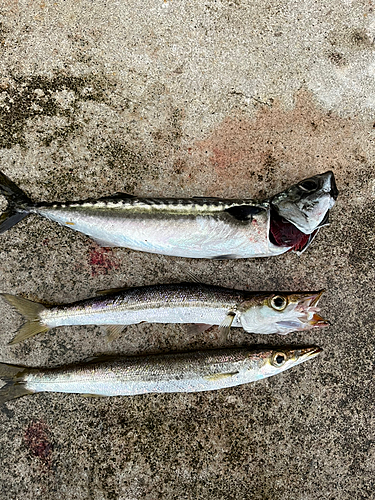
(227, 323)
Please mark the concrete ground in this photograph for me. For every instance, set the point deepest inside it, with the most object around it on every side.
(172, 98)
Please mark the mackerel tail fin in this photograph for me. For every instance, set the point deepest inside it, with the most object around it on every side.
(14, 376)
(31, 311)
(17, 200)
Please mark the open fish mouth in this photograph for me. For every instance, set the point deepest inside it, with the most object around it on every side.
(308, 308)
(305, 315)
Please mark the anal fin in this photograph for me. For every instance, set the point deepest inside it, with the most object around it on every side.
(113, 331)
(196, 328)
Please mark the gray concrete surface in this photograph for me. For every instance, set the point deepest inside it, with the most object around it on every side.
(170, 98)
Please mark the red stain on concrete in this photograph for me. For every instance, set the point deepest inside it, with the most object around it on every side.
(36, 438)
(259, 156)
(102, 260)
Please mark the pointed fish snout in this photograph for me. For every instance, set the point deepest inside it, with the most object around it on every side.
(315, 297)
(310, 352)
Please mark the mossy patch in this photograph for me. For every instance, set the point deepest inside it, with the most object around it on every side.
(28, 97)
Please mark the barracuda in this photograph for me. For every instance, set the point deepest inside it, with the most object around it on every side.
(164, 373)
(256, 312)
(209, 228)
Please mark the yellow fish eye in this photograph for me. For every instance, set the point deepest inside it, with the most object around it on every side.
(278, 359)
(279, 303)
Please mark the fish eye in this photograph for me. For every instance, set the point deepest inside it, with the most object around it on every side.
(278, 359)
(308, 185)
(279, 303)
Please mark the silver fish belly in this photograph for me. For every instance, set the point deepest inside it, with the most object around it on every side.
(163, 373)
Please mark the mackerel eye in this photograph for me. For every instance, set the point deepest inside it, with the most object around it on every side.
(278, 359)
(279, 303)
(309, 185)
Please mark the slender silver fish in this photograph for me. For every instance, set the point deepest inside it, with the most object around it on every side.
(209, 228)
(184, 372)
(256, 312)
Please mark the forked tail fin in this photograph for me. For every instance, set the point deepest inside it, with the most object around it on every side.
(14, 376)
(31, 311)
(17, 200)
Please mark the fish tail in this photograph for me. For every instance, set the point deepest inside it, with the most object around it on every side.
(31, 311)
(17, 200)
(14, 376)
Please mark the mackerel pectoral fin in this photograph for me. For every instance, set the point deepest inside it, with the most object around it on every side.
(31, 311)
(244, 212)
(227, 323)
(113, 331)
(220, 376)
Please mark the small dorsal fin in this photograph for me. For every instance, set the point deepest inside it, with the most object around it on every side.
(117, 197)
(244, 212)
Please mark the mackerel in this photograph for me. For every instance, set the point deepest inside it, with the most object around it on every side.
(210, 228)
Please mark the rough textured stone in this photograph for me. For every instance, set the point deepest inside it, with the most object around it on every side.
(172, 98)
